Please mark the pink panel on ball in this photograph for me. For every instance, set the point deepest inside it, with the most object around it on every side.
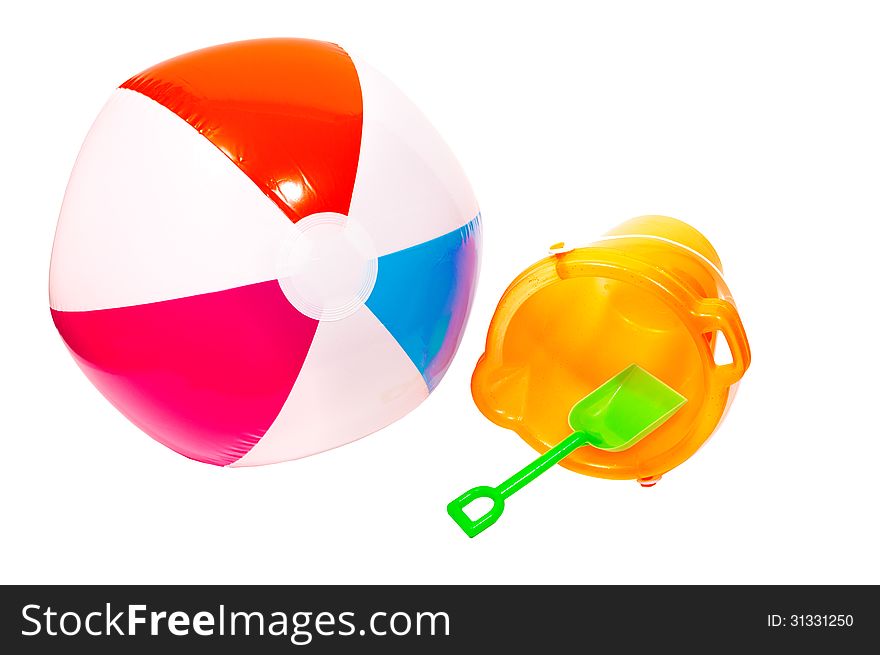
(205, 375)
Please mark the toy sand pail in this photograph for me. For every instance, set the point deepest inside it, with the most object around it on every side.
(650, 292)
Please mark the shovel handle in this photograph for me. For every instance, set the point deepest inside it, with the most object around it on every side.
(473, 527)
(546, 461)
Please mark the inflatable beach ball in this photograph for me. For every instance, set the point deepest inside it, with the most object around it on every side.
(264, 251)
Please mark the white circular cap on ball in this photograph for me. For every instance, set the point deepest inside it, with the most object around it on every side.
(328, 267)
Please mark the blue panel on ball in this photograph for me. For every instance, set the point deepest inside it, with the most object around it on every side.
(423, 295)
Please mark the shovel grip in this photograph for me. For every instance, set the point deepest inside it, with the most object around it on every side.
(473, 527)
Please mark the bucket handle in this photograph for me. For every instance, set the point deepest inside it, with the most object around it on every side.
(715, 314)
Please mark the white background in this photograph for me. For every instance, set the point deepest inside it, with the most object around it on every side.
(758, 123)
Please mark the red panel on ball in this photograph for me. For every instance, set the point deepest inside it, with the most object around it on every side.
(288, 112)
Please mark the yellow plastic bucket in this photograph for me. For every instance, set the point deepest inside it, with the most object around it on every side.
(650, 292)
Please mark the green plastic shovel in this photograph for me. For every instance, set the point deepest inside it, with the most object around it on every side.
(614, 417)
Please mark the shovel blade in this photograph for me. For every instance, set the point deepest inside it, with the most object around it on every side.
(625, 409)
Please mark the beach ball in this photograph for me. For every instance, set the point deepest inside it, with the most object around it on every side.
(264, 251)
